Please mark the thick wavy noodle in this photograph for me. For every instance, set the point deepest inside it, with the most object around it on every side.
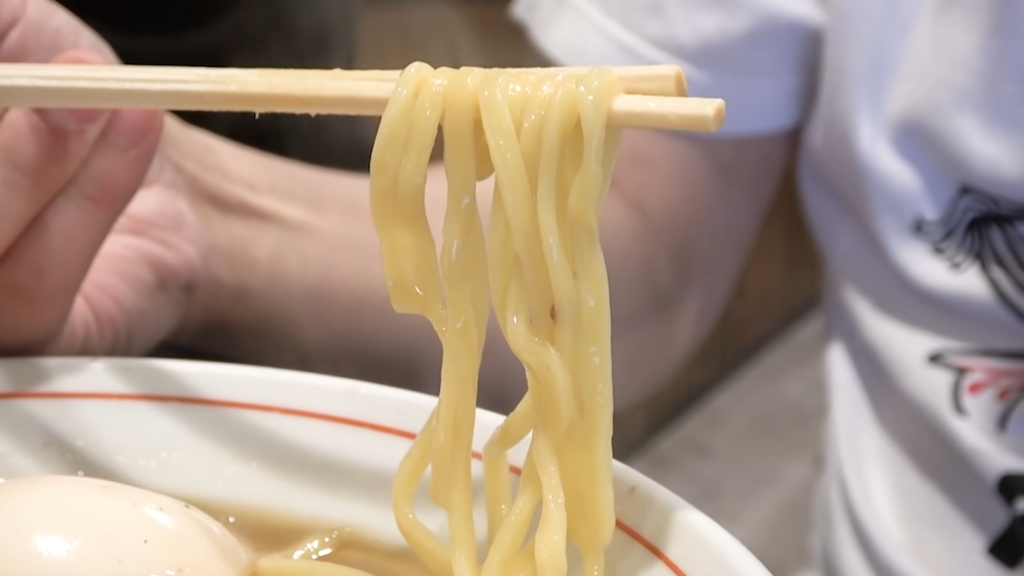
(546, 141)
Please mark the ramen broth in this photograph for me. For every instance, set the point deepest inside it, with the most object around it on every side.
(268, 532)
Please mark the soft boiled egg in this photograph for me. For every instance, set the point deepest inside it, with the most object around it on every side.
(71, 526)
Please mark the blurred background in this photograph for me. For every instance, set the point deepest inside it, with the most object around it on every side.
(737, 433)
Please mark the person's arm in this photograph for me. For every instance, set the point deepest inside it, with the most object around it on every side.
(293, 277)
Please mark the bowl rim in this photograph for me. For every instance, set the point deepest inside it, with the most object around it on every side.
(623, 472)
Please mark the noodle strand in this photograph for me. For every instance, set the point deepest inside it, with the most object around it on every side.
(541, 269)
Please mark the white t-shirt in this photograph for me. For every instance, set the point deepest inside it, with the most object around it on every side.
(912, 168)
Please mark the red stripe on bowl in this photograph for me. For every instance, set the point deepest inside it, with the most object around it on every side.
(343, 420)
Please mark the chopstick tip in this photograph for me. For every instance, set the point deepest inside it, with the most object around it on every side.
(679, 79)
(718, 115)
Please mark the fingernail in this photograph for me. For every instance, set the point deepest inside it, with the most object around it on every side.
(71, 120)
(130, 128)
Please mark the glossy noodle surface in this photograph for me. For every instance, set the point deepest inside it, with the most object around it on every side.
(545, 141)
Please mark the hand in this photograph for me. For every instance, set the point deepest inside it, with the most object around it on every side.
(98, 249)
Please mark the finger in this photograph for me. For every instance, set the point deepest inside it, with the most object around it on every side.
(39, 154)
(39, 30)
(140, 283)
(41, 273)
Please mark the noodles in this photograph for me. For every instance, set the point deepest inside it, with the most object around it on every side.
(545, 140)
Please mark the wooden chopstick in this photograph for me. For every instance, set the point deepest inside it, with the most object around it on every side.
(659, 80)
(357, 93)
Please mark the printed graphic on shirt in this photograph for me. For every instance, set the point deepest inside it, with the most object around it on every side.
(1008, 547)
(983, 229)
(989, 388)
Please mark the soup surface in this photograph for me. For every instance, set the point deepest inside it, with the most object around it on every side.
(268, 532)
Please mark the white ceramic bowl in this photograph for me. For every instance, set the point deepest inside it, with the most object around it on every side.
(315, 446)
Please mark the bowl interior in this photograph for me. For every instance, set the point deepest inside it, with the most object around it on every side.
(301, 444)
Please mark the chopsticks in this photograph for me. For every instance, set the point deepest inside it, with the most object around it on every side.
(653, 95)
